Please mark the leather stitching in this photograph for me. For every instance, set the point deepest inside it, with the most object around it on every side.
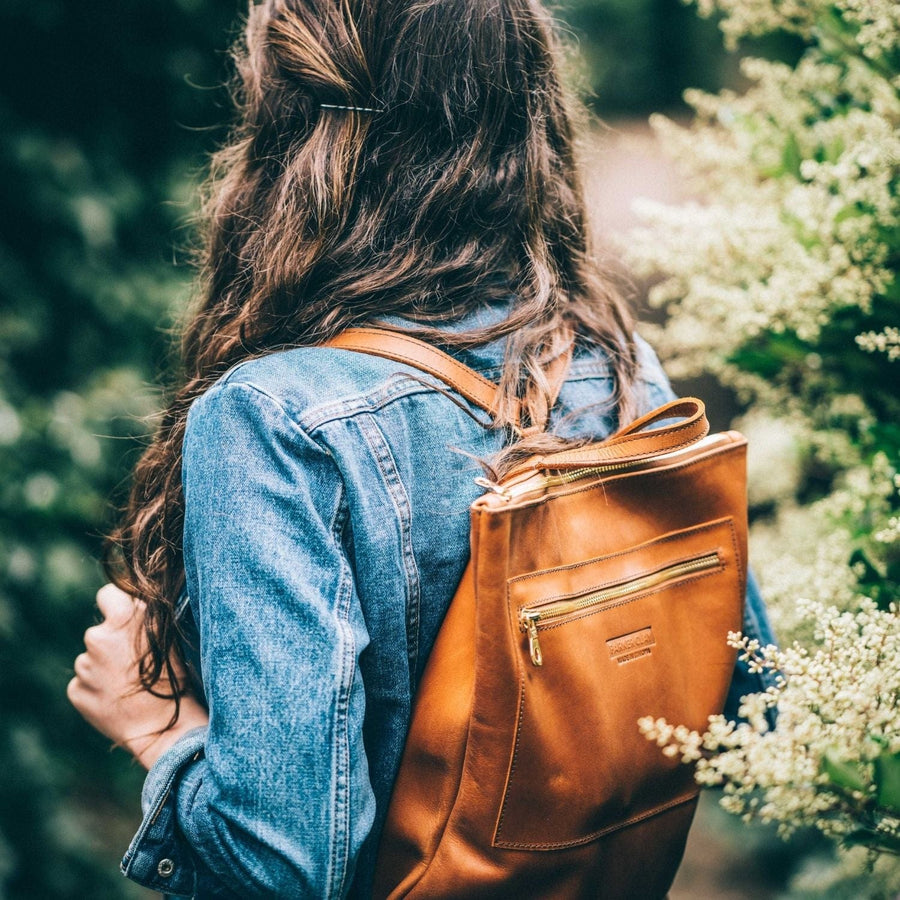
(515, 757)
(644, 473)
(674, 536)
(514, 845)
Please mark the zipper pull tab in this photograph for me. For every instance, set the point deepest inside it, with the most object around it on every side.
(529, 621)
(492, 486)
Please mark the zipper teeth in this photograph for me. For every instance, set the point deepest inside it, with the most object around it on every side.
(575, 474)
(511, 493)
(515, 491)
(536, 615)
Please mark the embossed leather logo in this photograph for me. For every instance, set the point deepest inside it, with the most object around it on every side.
(631, 646)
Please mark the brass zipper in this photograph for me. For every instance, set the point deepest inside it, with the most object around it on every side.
(533, 617)
(537, 482)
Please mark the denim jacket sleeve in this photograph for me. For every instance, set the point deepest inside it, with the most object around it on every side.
(273, 800)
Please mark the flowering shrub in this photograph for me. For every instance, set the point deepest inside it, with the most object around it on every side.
(833, 760)
(796, 254)
(783, 282)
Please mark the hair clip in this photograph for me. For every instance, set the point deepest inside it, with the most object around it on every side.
(368, 109)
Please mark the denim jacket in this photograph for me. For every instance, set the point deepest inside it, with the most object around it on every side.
(326, 529)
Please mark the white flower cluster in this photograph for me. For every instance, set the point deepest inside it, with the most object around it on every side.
(801, 554)
(890, 534)
(803, 551)
(853, 875)
(875, 24)
(839, 702)
(776, 450)
(886, 341)
(803, 199)
(756, 17)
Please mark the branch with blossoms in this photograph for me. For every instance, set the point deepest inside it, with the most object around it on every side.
(792, 247)
(886, 341)
(832, 761)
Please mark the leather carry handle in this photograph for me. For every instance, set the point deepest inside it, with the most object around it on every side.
(633, 442)
(465, 381)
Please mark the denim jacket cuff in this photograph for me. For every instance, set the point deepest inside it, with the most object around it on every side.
(158, 857)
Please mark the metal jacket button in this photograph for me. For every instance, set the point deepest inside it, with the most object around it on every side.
(165, 868)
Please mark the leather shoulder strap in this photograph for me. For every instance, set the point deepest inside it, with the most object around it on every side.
(632, 442)
(465, 381)
(403, 348)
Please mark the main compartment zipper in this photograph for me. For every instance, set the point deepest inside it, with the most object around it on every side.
(531, 618)
(539, 481)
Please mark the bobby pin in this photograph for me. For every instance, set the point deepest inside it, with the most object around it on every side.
(351, 108)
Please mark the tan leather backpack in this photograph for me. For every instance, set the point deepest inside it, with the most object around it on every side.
(602, 584)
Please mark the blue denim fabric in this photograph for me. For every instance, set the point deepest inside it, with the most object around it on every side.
(326, 529)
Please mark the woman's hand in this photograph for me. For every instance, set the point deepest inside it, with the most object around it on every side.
(106, 689)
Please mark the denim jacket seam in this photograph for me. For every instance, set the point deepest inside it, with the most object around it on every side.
(313, 417)
(387, 466)
(340, 848)
(395, 388)
(579, 369)
(381, 397)
(592, 375)
(149, 818)
(279, 403)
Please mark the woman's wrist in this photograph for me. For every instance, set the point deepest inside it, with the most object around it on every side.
(147, 749)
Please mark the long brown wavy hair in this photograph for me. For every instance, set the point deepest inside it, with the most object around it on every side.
(451, 183)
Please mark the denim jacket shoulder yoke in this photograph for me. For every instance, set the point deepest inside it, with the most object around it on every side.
(326, 529)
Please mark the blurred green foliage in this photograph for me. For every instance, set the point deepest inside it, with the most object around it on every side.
(97, 154)
(107, 110)
(639, 55)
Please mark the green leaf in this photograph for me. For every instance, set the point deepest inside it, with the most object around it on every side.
(791, 157)
(859, 838)
(887, 781)
(834, 151)
(870, 575)
(843, 774)
(851, 211)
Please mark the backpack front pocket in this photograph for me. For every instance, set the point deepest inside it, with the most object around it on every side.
(608, 641)
(552, 613)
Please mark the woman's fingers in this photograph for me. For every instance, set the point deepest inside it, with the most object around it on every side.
(107, 691)
(117, 607)
(82, 668)
(73, 689)
(92, 639)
